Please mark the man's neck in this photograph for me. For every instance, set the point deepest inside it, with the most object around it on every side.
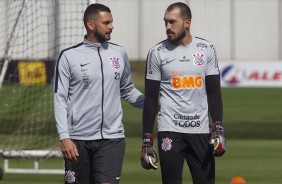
(92, 39)
(186, 40)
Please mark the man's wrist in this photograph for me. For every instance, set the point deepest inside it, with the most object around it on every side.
(217, 126)
(64, 135)
(66, 139)
(148, 139)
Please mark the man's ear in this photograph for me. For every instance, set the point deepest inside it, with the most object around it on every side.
(90, 25)
(187, 24)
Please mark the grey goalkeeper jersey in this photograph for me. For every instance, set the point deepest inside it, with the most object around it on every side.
(181, 71)
(90, 79)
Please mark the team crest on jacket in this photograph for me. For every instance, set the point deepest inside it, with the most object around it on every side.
(166, 145)
(114, 62)
(198, 59)
(69, 177)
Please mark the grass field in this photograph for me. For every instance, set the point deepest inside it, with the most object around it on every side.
(252, 121)
(258, 161)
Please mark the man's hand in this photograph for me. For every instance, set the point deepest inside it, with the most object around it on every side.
(217, 139)
(149, 158)
(69, 149)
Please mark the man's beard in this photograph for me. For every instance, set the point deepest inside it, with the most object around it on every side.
(178, 38)
(100, 37)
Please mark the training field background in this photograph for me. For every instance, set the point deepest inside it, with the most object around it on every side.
(39, 29)
(258, 161)
(253, 124)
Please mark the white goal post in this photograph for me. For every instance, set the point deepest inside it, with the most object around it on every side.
(35, 155)
(32, 33)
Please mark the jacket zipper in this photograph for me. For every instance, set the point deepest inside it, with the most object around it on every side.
(102, 105)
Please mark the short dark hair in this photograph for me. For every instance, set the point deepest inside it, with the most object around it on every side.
(93, 10)
(185, 12)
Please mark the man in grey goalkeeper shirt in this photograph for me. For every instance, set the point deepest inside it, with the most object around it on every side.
(90, 79)
(183, 71)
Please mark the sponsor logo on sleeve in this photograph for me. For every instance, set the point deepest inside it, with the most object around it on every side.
(202, 46)
(149, 61)
(161, 48)
(215, 56)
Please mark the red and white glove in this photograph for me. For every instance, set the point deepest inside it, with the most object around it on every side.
(149, 158)
(218, 140)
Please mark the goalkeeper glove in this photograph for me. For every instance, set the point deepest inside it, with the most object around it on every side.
(149, 158)
(217, 139)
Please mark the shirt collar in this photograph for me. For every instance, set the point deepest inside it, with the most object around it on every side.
(87, 43)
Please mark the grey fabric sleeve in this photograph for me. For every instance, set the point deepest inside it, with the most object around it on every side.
(61, 85)
(127, 88)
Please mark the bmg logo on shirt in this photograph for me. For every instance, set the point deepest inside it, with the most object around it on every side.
(186, 82)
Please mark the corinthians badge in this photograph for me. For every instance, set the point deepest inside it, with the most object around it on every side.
(114, 62)
(198, 59)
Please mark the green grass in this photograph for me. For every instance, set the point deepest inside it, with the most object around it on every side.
(20, 101)
(252, 122)
(257, 161)
(248, 112)
(253, 112)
